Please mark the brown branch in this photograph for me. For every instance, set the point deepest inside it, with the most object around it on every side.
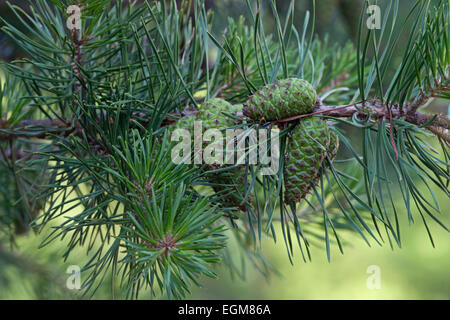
(376, 110)
(78, 42)
(380, 112)
(44, 128)
(38, 129)
(373, 109)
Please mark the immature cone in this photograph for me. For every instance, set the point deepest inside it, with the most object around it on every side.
(184, 123)
(280, 100)
(308, 146)
(211, 113)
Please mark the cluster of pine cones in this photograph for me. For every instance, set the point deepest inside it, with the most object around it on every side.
(308, 144)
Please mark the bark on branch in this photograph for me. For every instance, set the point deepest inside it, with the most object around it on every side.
(374, 109)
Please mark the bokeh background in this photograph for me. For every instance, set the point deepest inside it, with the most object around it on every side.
(415, 271)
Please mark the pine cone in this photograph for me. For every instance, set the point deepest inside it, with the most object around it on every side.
(185, 123)
(211, 113)
(283, 99)
(307, 147)
(233, 183)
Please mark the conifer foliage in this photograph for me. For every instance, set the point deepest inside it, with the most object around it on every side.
(86, 119)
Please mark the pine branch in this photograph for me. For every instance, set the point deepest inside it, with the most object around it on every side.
(374, 109)
(378, 111)
(115, 92)
(38, 129)
(46, 128)
(439, 86)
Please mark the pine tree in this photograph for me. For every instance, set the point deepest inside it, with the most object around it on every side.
(86, 121)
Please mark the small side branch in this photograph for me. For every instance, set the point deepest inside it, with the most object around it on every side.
(38, 129)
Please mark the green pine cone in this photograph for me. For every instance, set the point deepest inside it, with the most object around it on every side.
(280, 100)
(232, 182)
(307, 147)
(211, 113)
(185, 123)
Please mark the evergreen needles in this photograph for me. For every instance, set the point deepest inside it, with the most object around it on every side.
(86, 115)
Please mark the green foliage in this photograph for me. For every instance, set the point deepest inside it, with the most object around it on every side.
(96, 105)
(170, 244)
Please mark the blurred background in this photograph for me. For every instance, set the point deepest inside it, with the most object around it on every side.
(415, 271)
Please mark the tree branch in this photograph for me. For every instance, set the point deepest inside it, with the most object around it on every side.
(38, 129)
(377, 111)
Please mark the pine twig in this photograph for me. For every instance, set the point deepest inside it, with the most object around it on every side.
(440, 85)
(38, 129)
